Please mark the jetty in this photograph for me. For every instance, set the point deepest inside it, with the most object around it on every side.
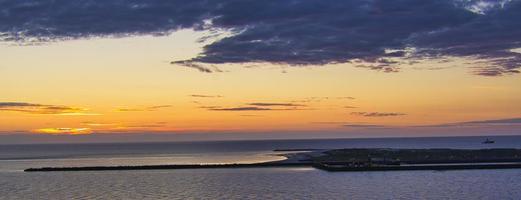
(352, 160)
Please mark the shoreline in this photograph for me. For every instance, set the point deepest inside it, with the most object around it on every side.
(444, 167)
(353, 160)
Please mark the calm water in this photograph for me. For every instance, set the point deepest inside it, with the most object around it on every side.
(256, 183)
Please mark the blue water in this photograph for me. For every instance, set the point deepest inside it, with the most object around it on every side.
(256, 183)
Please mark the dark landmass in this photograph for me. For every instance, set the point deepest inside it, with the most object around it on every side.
(357, 160)
(417, 159)
(420, 156)
(298, 149)
(463, 166)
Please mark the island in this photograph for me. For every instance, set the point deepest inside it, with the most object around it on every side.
(356, 159)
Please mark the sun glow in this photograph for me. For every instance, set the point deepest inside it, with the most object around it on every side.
(64, 131)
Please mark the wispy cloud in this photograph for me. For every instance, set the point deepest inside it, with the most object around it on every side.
(121, 126)
(320, 99)
(382, 64)
(377, 114)
(348, 98)
(493, 122)
(149, 108)
(199, 67)
(33, 108)
(258, 106)
(158, 107)
(245, 108)
(277, 104)
(143, 126)
(365, 126)
(205, 96)
(98, 124)
(497, 121)
(251, 115)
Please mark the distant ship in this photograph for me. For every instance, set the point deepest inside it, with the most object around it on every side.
(488, 141)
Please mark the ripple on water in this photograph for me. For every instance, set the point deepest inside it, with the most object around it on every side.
(276, 183)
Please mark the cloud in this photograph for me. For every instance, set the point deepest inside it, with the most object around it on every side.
(297, 33)
(494, 122)
(155, 125)
(364, 126)
(149, 108)
(349, 98)
(130, 110)
(98, 124)
(488, 38)
(41, 108)
(377, 114)
(319, 99)
(201, 68)
(64, 131)
(258, 106)
(277, 104)
(205, 96)
(122, 127)
(251, 115)
(158, 107)
(352, 125)
(497, 121)
(245, 108)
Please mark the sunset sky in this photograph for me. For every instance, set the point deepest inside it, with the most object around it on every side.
(360, 68)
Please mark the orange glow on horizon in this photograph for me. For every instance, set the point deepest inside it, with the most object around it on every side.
(63, 131)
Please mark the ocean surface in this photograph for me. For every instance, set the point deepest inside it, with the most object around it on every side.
(252, 183)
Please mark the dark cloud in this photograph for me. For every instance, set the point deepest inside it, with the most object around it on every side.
(37, 108)
(64, 19)
(489, 37)
(378, 114)
(294, 32)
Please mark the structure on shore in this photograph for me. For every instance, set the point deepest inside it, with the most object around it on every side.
(360, 160)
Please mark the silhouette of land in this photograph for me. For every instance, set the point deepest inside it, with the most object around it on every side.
(356, 160)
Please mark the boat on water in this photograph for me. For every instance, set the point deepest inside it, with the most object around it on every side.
(488, 141)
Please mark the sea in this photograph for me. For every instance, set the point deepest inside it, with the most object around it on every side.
(244, 183)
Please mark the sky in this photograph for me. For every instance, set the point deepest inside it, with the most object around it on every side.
(241, 69)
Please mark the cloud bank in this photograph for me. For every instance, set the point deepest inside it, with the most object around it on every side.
(384, 33)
